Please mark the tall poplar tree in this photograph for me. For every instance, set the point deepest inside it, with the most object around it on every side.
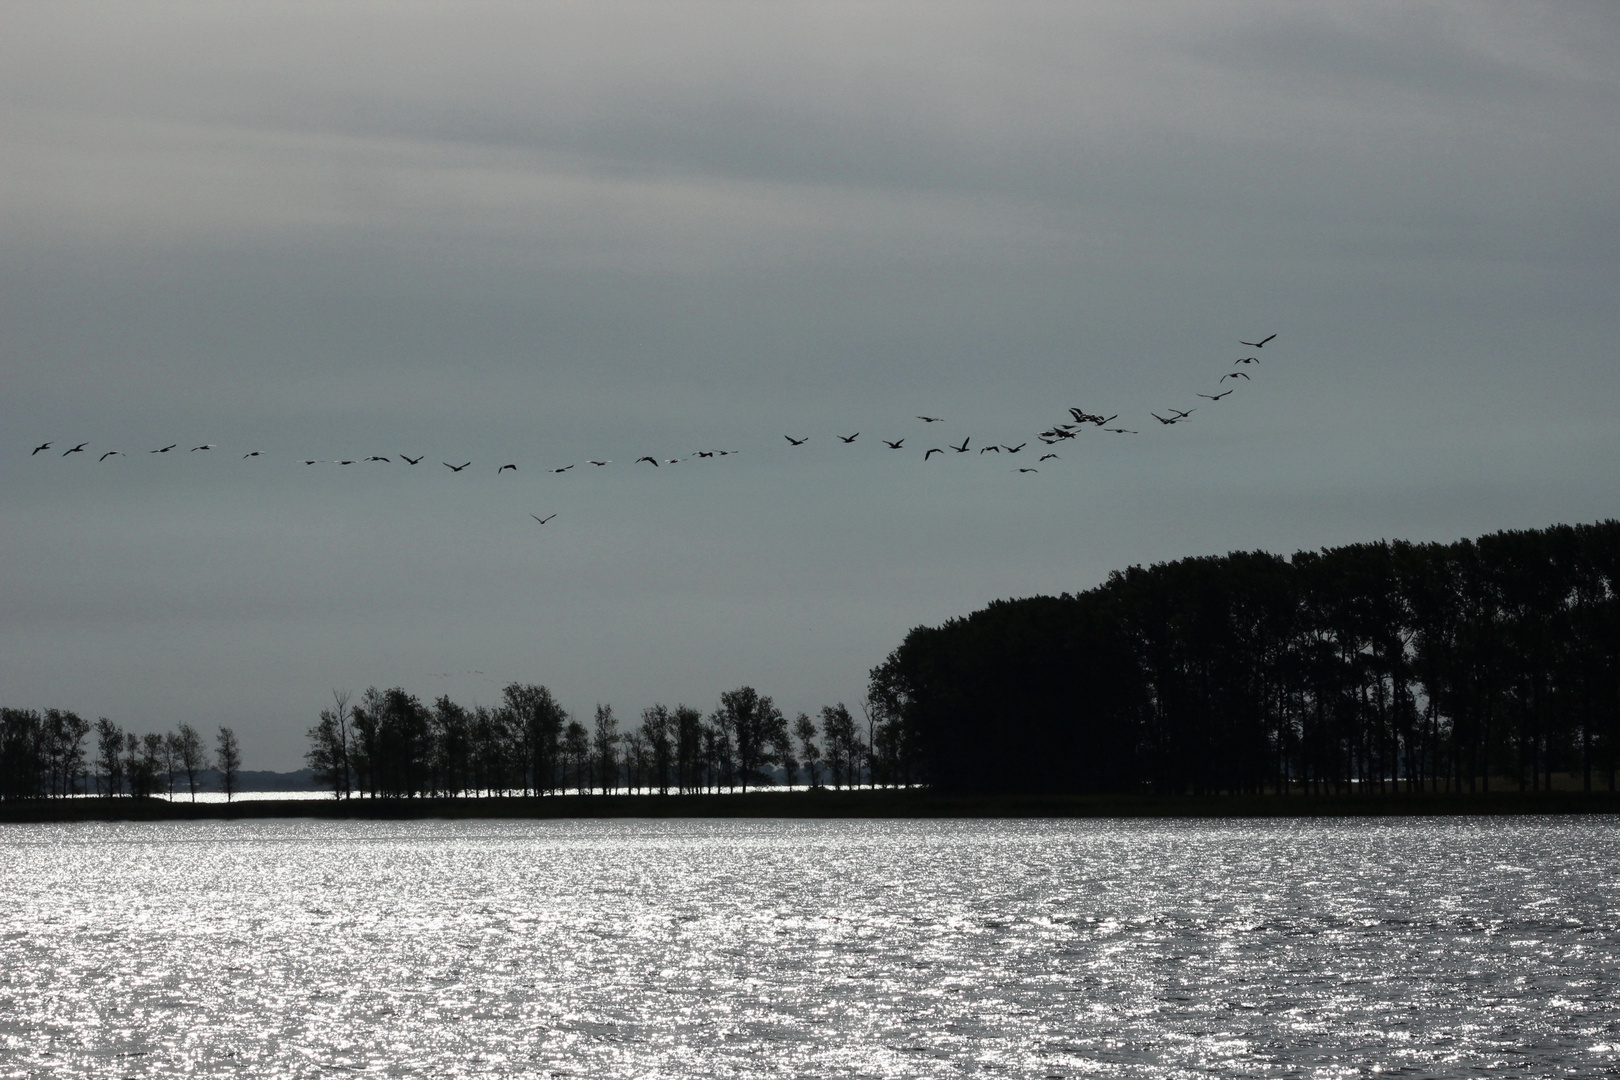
(228, 760)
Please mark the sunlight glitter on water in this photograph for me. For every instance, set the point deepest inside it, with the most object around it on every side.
(805, 948)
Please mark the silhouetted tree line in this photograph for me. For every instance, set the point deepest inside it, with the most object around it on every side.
(1367, 668)
(57, 753)
(390, 744)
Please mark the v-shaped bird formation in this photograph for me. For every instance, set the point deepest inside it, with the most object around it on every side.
(1078, 421)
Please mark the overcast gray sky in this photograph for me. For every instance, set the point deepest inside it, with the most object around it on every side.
(540, 234)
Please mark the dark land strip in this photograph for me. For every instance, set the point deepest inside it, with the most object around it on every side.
(825, 804)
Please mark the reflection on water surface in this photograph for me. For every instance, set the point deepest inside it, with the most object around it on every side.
(811, 948)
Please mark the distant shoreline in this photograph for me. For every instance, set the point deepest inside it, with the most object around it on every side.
(825, 805)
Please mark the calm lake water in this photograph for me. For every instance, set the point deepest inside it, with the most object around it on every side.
(1448, 947)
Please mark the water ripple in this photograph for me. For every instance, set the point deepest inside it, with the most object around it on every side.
(873, 949)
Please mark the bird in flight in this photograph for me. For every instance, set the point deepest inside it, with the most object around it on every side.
(256, 453)
(351, 462)
(1029, 470)
(1247, 360)
(959, 449)
(503, 468)
(931, 453)
(1161, 419)
(377, 457)
(1215, 397)
(930, 419)
(165, 449)
(564, 469)
(1257, 344)
(41, 446)
(411, 460)
(76, 450)
(1234, 375)
(654, 460)
(997, 449)
(1121, 431)
(306, 463)
(1182, 415)
(851, 439)
(892, 445)
(110, 453)
(1015, 449)
(797, 442)
(1046, 456)
(204, 446)
(543, 520)
(454, 468)
(609, 461)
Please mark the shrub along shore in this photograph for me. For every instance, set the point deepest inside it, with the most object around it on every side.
(826, 804)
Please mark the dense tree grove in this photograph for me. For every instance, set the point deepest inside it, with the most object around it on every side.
(1367, 668)
(390, 744)
(49, 755)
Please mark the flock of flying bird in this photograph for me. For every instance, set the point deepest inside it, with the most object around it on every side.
(1051, 437)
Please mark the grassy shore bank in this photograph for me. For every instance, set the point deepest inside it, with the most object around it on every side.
(826, 804)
